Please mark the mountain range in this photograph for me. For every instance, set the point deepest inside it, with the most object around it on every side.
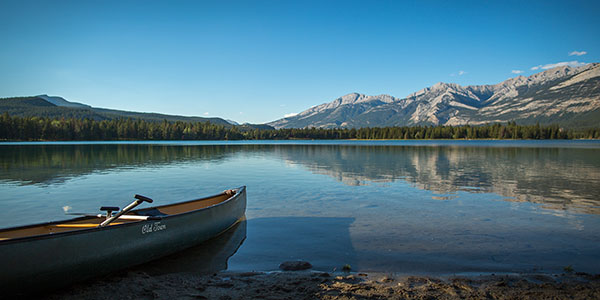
(568, 96)
(565, 95)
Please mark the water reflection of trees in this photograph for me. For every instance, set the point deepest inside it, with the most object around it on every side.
(46, 164)
(560, 178)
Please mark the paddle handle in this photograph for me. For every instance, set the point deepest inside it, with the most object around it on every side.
(143, 198)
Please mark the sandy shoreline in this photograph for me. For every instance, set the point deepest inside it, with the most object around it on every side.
(320, 285)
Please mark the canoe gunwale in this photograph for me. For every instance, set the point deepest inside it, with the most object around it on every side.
(239, 191)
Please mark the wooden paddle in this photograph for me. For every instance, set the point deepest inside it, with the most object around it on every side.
(138, 201)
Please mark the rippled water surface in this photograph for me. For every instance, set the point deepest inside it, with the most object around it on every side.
(408, 207)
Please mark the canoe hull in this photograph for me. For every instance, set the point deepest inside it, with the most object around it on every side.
(55, 261)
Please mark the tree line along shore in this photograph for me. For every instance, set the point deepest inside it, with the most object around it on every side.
(73, 129)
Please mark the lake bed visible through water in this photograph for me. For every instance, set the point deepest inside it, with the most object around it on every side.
(419, 207)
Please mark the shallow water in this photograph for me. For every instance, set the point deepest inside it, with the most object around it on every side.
(432, 207)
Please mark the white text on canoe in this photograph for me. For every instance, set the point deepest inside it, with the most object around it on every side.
(156, 226)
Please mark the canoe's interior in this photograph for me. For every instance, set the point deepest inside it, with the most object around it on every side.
(91, 222)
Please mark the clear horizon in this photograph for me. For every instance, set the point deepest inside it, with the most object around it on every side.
(258, 61)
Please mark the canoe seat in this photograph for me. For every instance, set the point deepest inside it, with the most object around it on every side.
(151, 213)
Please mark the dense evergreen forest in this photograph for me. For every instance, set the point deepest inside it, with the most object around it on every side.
(73, 129)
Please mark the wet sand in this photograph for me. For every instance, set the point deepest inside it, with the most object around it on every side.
(319, 285)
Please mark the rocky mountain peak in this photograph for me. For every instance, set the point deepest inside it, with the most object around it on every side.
(350, 98)
(437, 90)
(443, 85)
(557, 73)
(515, 81)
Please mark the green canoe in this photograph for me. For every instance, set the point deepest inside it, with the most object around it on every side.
(56, 254)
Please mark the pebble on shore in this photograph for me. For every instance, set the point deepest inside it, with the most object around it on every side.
(295, 265)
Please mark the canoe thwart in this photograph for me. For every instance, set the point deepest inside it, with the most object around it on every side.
(109, 210)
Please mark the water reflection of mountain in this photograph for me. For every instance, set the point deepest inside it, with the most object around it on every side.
(559, 178)
(49, 164)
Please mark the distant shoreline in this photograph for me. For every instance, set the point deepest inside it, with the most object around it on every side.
(73, 129)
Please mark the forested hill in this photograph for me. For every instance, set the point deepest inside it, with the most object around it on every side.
(57, 107)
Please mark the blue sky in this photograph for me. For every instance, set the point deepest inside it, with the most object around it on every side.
(256, 61)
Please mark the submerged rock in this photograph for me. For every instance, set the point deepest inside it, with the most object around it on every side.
(295, 265)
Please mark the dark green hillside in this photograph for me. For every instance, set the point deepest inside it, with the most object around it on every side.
(155, 117)
(25, 102)
(37, 106)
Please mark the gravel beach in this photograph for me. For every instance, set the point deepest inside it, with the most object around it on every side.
(320, 285)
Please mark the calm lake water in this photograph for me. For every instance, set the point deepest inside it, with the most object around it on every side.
(434, 207)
